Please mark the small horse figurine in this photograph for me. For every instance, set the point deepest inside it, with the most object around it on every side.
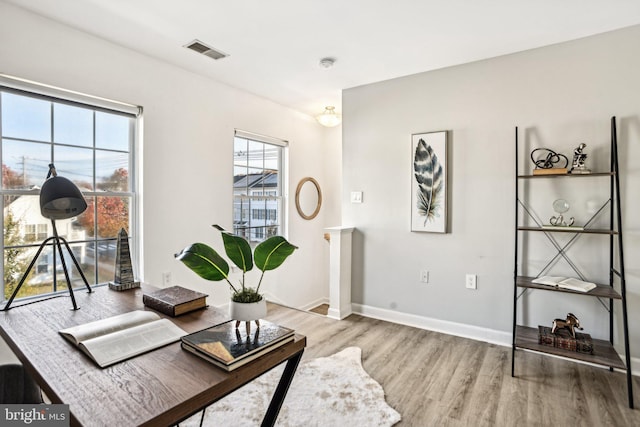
(570, 323)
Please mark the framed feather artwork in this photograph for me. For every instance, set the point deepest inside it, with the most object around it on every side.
(429, 182)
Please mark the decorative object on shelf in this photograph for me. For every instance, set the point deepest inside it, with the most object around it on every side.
(308, 198)
(548, 162)
(59, 199)
(560, 206)
(329, 118)
(581, 343)
(571, 323)
(568, 283)
(429, 183)
(267, 255)
(579, 157)
(123, 275)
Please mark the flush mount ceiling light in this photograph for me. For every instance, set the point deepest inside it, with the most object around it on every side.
(329, 117)
(327, 62)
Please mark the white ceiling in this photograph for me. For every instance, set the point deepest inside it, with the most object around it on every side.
(275, 45)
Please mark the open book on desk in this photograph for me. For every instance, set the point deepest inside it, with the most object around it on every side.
(120, 337)
(568, 283)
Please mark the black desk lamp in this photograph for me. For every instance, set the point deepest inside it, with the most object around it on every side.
(59, 199)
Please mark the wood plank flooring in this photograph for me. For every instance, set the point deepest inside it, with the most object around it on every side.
(321, 309)
(434, 379)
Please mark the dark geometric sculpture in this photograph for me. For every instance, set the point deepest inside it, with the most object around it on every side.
(124, 270)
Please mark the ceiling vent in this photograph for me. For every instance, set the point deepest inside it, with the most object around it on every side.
(198, 46)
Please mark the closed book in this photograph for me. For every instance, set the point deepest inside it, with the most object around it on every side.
(175, 300)
(562, 338)
(229, 347)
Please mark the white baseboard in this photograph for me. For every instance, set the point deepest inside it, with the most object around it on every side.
(437, 325)
(314, 304)
(451, 328)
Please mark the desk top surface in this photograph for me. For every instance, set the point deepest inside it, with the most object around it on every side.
(161, 387)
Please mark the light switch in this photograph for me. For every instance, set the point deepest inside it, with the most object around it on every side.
(356, 197)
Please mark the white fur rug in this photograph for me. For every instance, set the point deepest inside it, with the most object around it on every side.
(327, 391)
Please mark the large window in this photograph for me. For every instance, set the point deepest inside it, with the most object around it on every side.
(90, 144)
(258, 194)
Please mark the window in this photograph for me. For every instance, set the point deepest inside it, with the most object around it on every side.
(91, 142)
(35, 232)
(258, 193)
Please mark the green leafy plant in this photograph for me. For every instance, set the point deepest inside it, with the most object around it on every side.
(208, 264)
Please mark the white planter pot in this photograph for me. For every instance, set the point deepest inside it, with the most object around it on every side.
(246, 312)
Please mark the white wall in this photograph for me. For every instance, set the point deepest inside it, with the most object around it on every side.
(560, 96)
(187, 151)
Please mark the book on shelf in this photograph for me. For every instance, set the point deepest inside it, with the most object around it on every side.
(550, 171)
(175, 300)
(565, 283)
(229, 347)
(562, 338)
(114, 339)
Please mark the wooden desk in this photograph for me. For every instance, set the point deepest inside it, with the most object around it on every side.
(158, 388)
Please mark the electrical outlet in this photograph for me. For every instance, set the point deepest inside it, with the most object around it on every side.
(471, 281)
(424, 276)
(166, 279)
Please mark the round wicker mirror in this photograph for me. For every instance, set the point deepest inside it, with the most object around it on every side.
(308, 198)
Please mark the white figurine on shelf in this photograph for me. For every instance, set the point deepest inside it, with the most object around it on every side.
(579, 158)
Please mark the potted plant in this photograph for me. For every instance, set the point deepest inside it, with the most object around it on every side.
(246, 302)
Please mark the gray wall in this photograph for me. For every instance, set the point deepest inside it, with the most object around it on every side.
(559, 96)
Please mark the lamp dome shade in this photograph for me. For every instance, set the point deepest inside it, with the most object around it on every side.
(329, 117)
(61, 199)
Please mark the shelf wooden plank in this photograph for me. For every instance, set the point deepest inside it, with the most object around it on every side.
(601, 291)
(567, 175)
(567, 230)
(603, 352)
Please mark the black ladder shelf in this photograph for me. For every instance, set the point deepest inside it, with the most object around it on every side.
(525, 337)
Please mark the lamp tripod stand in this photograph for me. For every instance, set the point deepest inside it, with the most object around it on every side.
(56, 244)
(59, 199)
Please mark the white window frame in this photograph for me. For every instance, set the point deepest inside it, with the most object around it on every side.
(55, 94)
(282, 177)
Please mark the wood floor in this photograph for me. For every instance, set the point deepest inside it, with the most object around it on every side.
(321, 309)
(434, 379)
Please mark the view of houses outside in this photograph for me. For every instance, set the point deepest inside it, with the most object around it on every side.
(257, 189)
(89, 146)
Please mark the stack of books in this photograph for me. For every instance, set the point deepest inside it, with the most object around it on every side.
(582, 343)
(229, 347)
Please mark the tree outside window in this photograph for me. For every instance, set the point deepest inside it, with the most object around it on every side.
(90, 145)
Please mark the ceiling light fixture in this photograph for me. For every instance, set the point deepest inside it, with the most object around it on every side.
(327, 62)
(329, 117)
